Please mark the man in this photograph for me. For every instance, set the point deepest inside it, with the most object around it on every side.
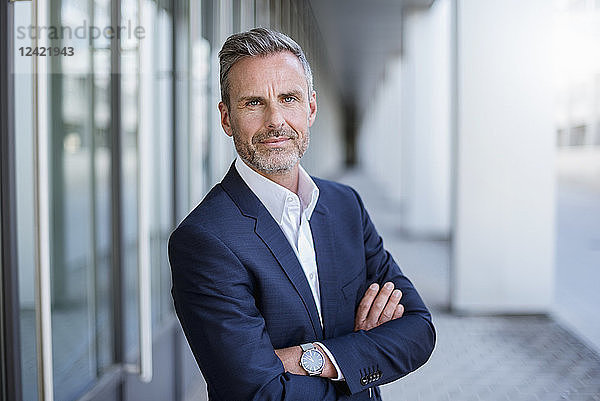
(280, 280)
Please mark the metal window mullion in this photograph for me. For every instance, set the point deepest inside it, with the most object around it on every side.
(42, 216)
(144, 259)
(178, 369)
(92, 271)
(454, 144)
(10, 355)
(116, 194)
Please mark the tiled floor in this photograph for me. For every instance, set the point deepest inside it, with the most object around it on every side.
(578, 258)
(516, 358)
(502, 358)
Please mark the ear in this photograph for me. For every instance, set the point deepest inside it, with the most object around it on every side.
(312, 106)
(225, 119)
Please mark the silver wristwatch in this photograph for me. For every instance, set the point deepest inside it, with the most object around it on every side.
(312, 360)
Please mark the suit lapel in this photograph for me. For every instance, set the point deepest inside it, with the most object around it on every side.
(270, 233)
(329, 280)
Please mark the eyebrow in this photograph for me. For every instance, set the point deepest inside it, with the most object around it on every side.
(294, 93)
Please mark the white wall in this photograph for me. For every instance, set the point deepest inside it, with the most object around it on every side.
(503, 248)
(379, 141)
(325, 155)
(426, 123)
(404, 141)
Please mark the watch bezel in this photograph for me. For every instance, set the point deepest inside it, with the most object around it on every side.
(311, 372)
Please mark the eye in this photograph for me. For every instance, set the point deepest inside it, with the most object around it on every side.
(289, 99)
(253, 102)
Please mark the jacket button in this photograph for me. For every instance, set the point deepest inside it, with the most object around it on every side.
(363, 381)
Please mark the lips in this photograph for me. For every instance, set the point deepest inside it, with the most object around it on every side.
(275, 140)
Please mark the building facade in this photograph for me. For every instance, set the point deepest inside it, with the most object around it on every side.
(108, 140)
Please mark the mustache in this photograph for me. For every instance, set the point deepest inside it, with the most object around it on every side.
(263, 136)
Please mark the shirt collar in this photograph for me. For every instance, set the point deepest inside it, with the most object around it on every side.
(273, 196)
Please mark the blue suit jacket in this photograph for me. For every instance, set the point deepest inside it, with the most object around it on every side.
(240, 293)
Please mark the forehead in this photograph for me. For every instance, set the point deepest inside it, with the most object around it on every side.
(281, 71)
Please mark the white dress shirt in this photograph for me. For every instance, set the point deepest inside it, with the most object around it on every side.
(292, 212)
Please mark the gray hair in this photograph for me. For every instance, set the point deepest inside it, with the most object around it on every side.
(257, 42)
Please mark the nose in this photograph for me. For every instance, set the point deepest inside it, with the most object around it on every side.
(274, 118)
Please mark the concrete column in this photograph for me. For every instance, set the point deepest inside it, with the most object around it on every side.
(426, 134)
(380, 151)
(504, 210)
(325, 155)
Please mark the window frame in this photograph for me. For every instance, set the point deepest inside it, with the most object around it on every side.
(10, 355)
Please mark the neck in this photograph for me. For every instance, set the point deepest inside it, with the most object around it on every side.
(287, 179)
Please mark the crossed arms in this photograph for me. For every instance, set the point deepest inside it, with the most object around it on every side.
(375, 308)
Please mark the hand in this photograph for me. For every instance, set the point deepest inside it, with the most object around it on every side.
(290, 357)
(378, 307)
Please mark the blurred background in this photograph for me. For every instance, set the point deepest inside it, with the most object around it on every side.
(470, 127)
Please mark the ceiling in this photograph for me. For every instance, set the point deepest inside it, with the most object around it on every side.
(359, 36)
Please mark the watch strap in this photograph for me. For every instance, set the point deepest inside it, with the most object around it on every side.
(307, 346)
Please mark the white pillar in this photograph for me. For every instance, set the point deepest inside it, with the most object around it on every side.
(379, 137)
(426, 123)
(503, 239)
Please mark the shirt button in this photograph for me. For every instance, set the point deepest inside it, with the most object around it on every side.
(312, 276)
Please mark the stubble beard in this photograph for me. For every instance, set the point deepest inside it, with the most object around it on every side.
(275, 160)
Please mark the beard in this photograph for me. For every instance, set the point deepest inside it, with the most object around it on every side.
(272, 160)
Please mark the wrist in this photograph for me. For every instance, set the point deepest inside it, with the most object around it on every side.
(289, 358)
(329, 370)
(312, 359)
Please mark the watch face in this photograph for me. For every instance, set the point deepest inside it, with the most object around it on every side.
(312, 361)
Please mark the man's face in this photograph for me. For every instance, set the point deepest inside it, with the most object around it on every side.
(270, 111)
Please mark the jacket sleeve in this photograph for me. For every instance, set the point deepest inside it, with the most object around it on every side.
(214, 301)
(395, 348)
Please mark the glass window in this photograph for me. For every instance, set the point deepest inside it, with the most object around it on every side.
(262, 13)
(161, 147)
(246, 16)
(199, 132)
(24, 164)
(101, 145)
(81, 158)
(80, 190)
(275, 14)
(129, 177)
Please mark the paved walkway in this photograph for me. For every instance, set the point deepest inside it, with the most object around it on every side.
(518, 358)
(578, 259)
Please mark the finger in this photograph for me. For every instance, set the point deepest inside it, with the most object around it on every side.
(398, 312)
(388, 312)
(379, 303)
(365, 303)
